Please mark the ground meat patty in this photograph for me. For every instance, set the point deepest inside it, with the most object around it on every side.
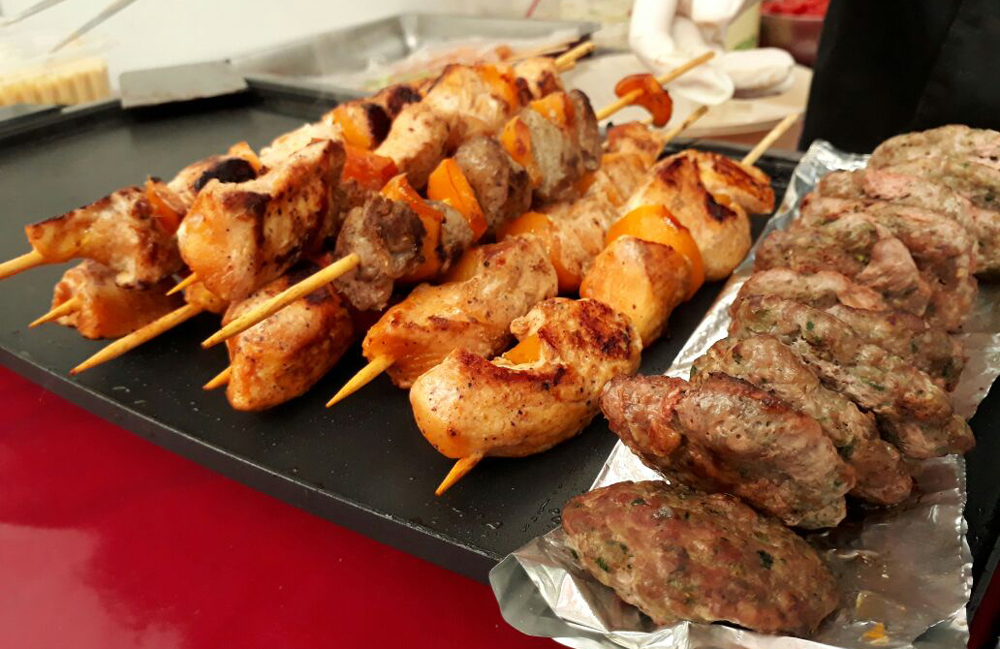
(501, 185)
(678, 554)
(724, 435)
(820, 290)
(387, 235)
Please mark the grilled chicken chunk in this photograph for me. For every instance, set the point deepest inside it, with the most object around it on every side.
(239, 236)
(981, 146)
(281, 150)
(642, 279)
(745, 185)
(104, 309)
(915, 413)
(678, 554)
(281, 357)
(539, 74)
(120, 231)
(942, 250)
(417, 142)
(821, 290)
(930, 349)
(473, 312)
(724, 435)
(231, 168)
(387, 235)
(763, 361)
(469, 405)
(856, 248)
(500, 184)
(473, 106)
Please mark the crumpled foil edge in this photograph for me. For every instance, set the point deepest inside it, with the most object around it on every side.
(905, 572)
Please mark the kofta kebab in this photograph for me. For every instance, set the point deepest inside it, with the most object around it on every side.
(500, 152)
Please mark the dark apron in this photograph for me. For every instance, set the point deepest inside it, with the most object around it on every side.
(891, 66)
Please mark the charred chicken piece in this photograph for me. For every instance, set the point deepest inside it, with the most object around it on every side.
(120, 231)
(230, 168)
(915, 413)
(930, 349)
(283, 356)
(281, 150)
(766, 363)
(470, 405)
(240, 236)
(856, 248)
(104, 309)
(678, 554)
(724, 435)
(388, 237)
(474, 312)
(821, 290)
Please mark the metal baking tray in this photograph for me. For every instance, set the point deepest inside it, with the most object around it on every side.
(390, 39)
(362, 464)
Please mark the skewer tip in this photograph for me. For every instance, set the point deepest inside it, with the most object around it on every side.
(183, 284)
(57, 312)
(219, 380)
(458, 471)
(20, 264)
(364, 376)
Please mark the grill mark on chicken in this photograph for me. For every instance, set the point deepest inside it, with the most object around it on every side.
(227, 170)
(724, 435)
(716, 210)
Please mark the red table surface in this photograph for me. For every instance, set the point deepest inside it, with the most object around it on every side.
(109, 542)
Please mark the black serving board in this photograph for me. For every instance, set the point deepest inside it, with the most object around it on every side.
(362, 464)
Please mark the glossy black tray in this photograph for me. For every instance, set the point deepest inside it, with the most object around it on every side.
(362, 464)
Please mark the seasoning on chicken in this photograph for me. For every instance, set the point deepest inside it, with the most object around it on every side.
(103, 309)
(882, 476)
(493, 285)
(678, 554)
(541, 392)
(821, 290)
(238, 236)
(724, 435)
(283, 356)
(912, 411)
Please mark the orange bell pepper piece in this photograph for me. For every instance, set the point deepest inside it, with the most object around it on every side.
(655, 223)
(516, 141)
(652, 96)
(399, 189)
(540, 225)
(527, 350)
(448, 184)
(243, 150)
(354, 134)
(557, 108)
(369, 170)
(167, 207)
(466, 267)
(502, 83)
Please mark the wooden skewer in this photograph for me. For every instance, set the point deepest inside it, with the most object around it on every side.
(569, 58)
(184, 283)
(20, 264)
(627, 99)
(458, 471)
(139, 336)
(770, 138)
(695, 115)
(364, 376)
(281, 300)
(67, 307)
(220, 379)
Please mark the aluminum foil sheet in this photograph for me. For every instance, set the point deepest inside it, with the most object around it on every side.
(905, 573)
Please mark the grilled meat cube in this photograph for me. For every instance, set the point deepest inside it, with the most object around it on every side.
(856, 248)
(915, 413)
(678, 554)
(456, 235)
(239, 236)
(119, 231)
(387, 235)
(281, 150)
(745, 185)
(417, 142)
(724, 435)
(472, 106)
(718, 224)
(473, 313)
(554, 152)
(981, 146)
(393, 99)
(586, 133)
(284, 355)
(978, 183)
(763, 361)
(644, 280)
(903, 189)
(635, 137)
(942, 250)
(104, 309)
(821, 290)
(500, 184)
(469, 405)
(930, 349)
(540, 75)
